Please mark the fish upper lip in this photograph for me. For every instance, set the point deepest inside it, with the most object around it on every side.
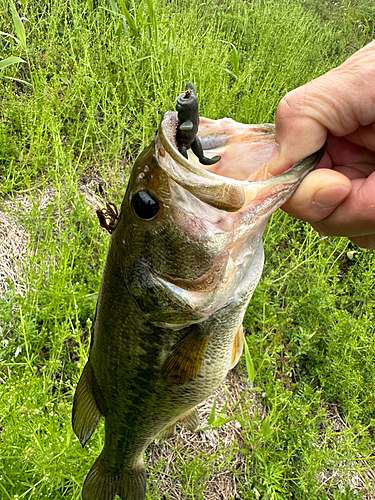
(232, 194)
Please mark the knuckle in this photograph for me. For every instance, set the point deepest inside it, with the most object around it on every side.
(293, 103)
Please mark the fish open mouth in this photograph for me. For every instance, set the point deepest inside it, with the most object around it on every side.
(241, 175)
(244, 149)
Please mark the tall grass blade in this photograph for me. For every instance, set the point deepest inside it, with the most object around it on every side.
(249, 363)
(11, 36)
(129, 19)
(230, 73)
(9, 61)
(18, 80)
(18, 25)
(113, 5)
(152, 16)
(235, 62)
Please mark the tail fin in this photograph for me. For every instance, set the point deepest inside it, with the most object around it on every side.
(101, 484)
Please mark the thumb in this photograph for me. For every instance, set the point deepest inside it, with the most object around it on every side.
(318, 195)
(297, 133)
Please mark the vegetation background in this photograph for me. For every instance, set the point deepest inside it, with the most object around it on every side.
(83, 84)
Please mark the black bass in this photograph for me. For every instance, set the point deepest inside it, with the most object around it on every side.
(183, 261)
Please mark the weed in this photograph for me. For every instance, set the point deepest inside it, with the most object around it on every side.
(20, 39)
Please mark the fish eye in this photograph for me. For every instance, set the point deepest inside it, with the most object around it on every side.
(144, 205)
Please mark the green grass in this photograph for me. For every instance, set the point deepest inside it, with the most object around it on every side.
(312, 345)
(87, 98)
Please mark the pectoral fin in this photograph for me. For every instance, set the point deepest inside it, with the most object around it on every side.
(186, 359)
(189, 419)
(85, 414)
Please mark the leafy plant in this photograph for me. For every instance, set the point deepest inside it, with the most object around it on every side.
(20, 39)
(235, 62)
(218, 419)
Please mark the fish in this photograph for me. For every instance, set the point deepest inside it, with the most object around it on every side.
(184, 258)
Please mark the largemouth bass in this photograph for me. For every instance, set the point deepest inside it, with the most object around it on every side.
(183, 261)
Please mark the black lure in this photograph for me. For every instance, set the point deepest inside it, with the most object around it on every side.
(188, 122)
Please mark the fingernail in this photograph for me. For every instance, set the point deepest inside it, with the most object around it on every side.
(329, 197)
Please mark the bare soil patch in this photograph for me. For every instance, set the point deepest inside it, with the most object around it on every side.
(224, 480)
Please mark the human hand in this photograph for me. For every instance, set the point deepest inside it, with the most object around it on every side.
(338, 198)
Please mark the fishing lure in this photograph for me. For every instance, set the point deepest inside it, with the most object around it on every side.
(188, 122)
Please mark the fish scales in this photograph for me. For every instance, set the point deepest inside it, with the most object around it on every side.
(183, 261)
